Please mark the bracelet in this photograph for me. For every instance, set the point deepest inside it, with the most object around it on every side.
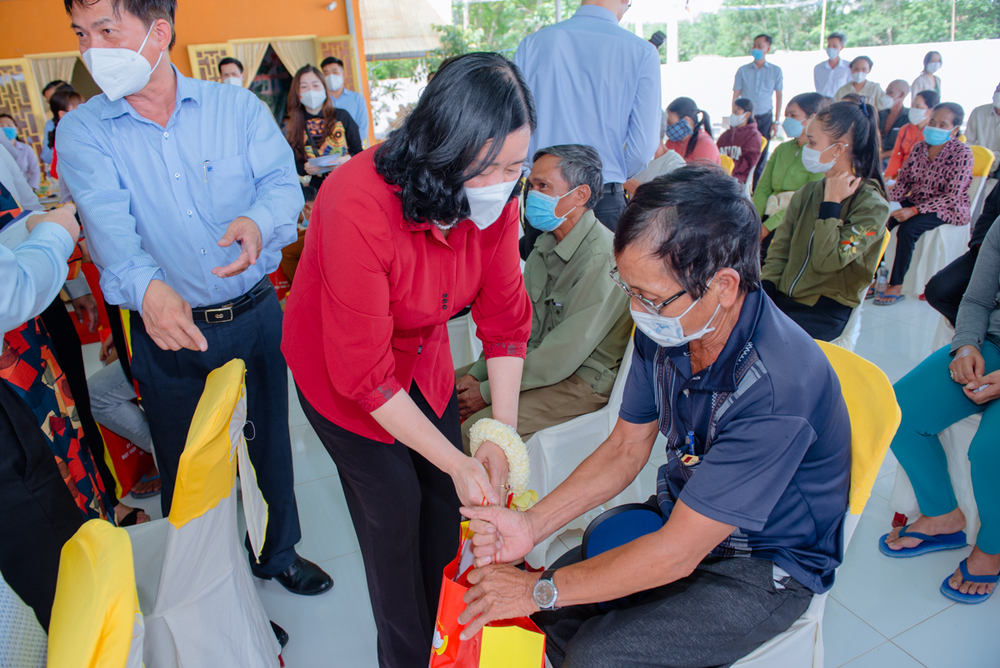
(513, 447)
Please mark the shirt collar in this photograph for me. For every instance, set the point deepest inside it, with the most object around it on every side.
(720, 376)
(595, 12)
(186, 90)
(566, 248)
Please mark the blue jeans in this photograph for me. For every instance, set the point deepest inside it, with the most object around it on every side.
(931, 402)
(171, 384)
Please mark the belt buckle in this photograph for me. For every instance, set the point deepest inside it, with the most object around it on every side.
(221, 314)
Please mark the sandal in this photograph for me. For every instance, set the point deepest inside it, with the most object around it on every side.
(956, 595)
(871, 293)
(147, 479)
(888, 300)
(133, 518)
(941, 542)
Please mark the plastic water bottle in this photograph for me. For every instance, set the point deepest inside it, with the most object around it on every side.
(881, 280)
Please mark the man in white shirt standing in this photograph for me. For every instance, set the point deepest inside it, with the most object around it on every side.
(984, 128)
(835, 72)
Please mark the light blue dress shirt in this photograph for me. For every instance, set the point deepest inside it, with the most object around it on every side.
(46, 153)
(354, 104)
(155, 201)
(759, 85)
(32, 274)
(596, 84)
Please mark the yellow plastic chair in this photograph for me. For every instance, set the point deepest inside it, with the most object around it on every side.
(981, 168)
(763, 144)
(96, 621)
(727, 164)
(875, 417)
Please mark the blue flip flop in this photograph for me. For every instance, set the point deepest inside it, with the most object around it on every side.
(956, 595)
(939, 543)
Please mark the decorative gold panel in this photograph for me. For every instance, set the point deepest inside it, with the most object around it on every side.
(205, 60)
(20, 99)
(341, 47)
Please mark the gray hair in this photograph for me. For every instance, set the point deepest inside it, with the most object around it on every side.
(901, 84)
(580, 165)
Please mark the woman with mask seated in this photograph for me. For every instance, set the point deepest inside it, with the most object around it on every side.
(912, 132)
(689, 132)
(742, 141)
(828, 248)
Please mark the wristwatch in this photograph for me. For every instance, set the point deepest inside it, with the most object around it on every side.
(545, 592)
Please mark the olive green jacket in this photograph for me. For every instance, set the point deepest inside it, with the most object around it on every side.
(824, 249)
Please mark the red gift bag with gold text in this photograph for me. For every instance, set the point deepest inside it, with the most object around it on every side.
(513, 643)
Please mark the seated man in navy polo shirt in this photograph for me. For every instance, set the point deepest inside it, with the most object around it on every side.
(755, 487)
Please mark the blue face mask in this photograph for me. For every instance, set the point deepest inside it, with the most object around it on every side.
(757, 54)
(11, 133)
(678, 130)
(540, 210)
(936, 136)
(793, 127)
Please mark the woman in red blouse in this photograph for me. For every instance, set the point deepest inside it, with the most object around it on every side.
(932, 189)
(402, 238)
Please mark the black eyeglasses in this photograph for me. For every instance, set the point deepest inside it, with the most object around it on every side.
(653, 308)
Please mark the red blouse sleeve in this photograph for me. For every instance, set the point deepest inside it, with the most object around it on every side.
(502, 309)
(354, 297)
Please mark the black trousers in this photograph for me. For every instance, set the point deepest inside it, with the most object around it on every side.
(609, 208)
(171, 384)
(405, 512)
(764, 123)
(907, 234)
(39, 514)
(947, 287)
(69, 353)
(824, 321)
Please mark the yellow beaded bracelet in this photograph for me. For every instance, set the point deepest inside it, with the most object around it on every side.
(519, 470)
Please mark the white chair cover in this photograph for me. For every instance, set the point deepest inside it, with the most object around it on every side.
(955, 440)
(465, 345)
(555, 452)
(23, 643)
(934, 251)
(848, 339)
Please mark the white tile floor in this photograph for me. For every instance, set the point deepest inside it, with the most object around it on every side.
(882, 613)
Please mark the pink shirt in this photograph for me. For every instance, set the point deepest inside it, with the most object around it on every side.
(704, 150)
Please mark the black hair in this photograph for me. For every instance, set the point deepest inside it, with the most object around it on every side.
(64, 98)
(697, 220)
(765, 37)
(230, 61)
(931, 54)
(309, 193)
(838, 35)
(744, 103)
(580, 165)
(865, 58)
(685, 107)
(53, 84)
(474, 99)
(931, 98)
(331, 60)
(858, 121)
(810, 103)
(146, 11)
(957, 113)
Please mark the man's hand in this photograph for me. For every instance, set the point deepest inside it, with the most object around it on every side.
(108, 351)
(494, 460)
(499, 534)
(470, 399)
(904, 214)
(991, 391)
(840, 187)
(86, 304)
(64, 216)
(245, 232)
(498, 592)
(968, 366)
(168, 319)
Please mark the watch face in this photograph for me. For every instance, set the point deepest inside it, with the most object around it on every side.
(544, 594)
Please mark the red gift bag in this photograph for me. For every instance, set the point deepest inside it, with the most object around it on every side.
(513, 643)
(128, 463)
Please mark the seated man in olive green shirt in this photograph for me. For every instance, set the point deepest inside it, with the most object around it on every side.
(580, 323)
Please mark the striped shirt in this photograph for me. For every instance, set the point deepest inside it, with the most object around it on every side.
(155, 200)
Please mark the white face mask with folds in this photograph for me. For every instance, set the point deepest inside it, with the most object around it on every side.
(119, 72)
(487, 203)
(667, 331)
(233, 81)
(334, 82)
(313, 99)
(859, 77)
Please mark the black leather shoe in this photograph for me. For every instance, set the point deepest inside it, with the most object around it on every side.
(302, 577)
(280, 633)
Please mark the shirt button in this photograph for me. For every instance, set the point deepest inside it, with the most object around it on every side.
(216, 288)
(166, 134)
(177, 175)
(203, 251)
(686, 392)
(190, 212)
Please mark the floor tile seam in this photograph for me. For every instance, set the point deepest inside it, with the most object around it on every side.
(947, 607)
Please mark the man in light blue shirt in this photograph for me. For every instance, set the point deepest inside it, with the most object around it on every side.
(351, 102)
(188, 193)
(759, 81)
(596, 84)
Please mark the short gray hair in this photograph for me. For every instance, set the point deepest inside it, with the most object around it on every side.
(580, 165)
(901, 84)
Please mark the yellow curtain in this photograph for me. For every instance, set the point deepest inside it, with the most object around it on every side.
(51, 69)
(295, 53)
(250, 54)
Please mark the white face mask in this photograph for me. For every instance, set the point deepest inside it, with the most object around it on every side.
(313, 99)
(736, 119)
(667, 332)
(119, 72)
(916, 116)
(887, 101)
(933, 67)
(233, 81)
(334, 82)
(487, 203)
(832, 52)
(859, 77)
(811, 160)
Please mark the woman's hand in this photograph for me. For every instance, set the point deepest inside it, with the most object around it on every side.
(311, 169)
(902, 215)
(472, 484)
(968, 366)
(840, 187)
(493, 459)
(985, 389)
